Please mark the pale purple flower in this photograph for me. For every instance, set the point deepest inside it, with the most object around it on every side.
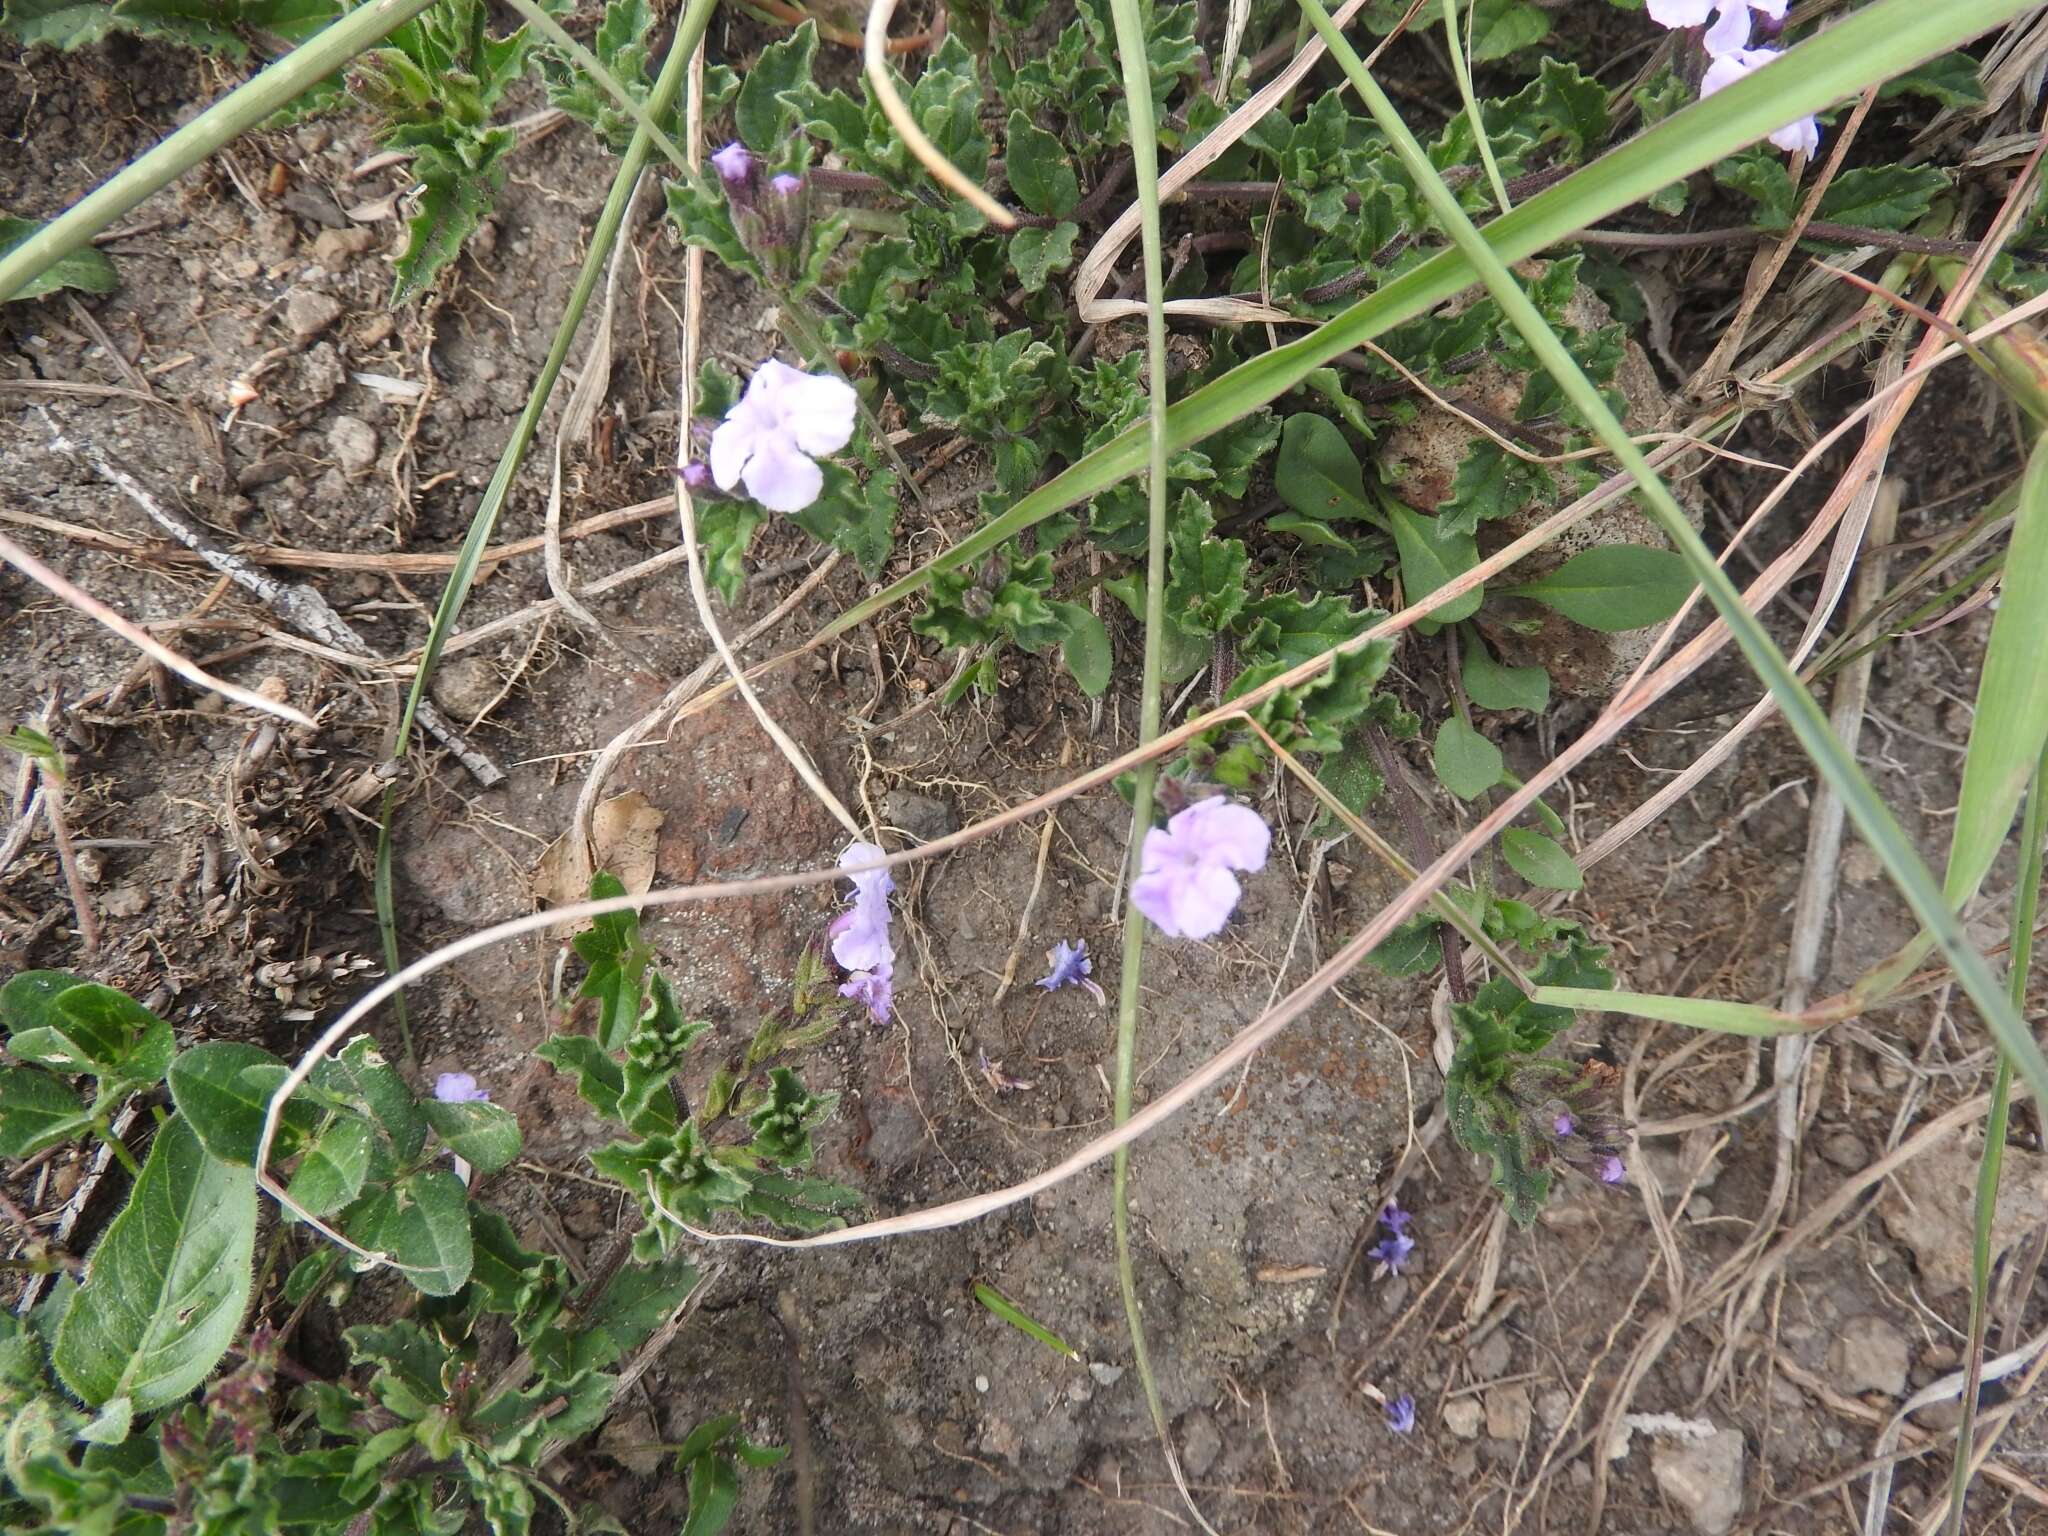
(1071, 967)
(459, 1088)
(735, 165)
(786, 185)
(1395, 1219)
(1611, 1170)
(769, 440)
(695, 475)
(1798, 138)
(1401, 1415)
(1730, 30)
(1393, 1251)
(1185, 885)
(1564, 1125)
(874, 989)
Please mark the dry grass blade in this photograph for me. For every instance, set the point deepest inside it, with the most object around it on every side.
(875, 53)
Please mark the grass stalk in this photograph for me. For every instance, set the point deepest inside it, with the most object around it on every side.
(1880, 830)
(2025, 904)
(1131, 53)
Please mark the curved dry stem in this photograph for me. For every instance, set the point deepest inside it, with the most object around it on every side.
(139, 637)
(875, 60)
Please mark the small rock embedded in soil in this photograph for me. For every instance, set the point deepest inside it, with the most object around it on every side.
(1846, 1150)
(922, 816)
(1508, 1412)
(1553, 1407)
(1703, 1478)
(1200, 1443)
(1868, 1355)
(1462, 1417)
(353, 442)
(464, 686)
(307, 314)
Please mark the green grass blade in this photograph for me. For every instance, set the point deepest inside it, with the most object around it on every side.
(2025, 905)
(1880, 831)
(1693, 1012)
(1878, 41)
(675, 68)
(229, 118)
(554, 32)
(1470, 97)
(1023, 1322)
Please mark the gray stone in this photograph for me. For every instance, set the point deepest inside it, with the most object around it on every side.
(1200, 1443)
(1703, 1478)
(1868, 1355)
(1553, 1407)
(353, 442)
(1491, 1357)
(1463, 1416)
(1508, 1413)
(922, 816)
(464, 686)
(1846, 1150)
(307, 314)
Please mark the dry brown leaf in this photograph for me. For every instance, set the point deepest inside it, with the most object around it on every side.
(624, 832)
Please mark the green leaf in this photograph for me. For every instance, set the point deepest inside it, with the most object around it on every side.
(1613, 587)
(454, 197)
(1317, 474)
(1412, 948)
(37, 1110)
(714, 1494)
(85, 1027)
(482, 1135)
(165, 1288)
(854, 515)
(1502, 27)
(65, 24)
(1491, 482)
(1036, 254)
(1491, 685)
(224, 1100)
(1954, 80)
(422, 1224)
(88, 270)
(1883, 196)
(617, 957)
(599, 1078)
(29, 1000)
(1205, 580)
(1540, 861)
(1467, 764)
(1432, 556)
(335, 1166)
(762, 117)
(1086, 648)
(724, 530)
(1038, 170)
(385, 1095)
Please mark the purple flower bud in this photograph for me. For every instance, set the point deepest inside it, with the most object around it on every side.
(1564, 1124)
(1612, 1171)
(1401, 1415)
(459, 1088)
(696, 475)
(1394, 1219)
(786, 185)
(735, 165)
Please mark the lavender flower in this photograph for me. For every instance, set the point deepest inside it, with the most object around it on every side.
(860, 935)
(1394, 1218)
(1071, 967)
(1796, 138)
(769, 440)
(1393, 1251)
(1401, 1415)
(738, 169)
(1730, 30)
(459, 1088)
(695, 475)
(1185, 885)
(786, 185)
(1611, 1170)
(1564, 1124)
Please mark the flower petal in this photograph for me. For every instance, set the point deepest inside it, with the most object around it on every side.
(780, 478)
(731, 446)
(819, 411)
(1730, 30)
(1223, 832)
(1800, 138)
(1680, 13)
(1203, 902)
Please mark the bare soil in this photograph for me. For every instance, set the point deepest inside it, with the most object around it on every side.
(232, 881)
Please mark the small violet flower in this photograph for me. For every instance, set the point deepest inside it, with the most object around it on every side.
(738, 169)
(459, 1088)
(695, 475)
(1401, 1415)
(860, 935)
(1394, 1218)
(1730, 30)
(1564, 1125)
(1393, 1251)
(1611, 1170)
(1798, 138)
(1071, 967)
(1185, 885)
(769, 440)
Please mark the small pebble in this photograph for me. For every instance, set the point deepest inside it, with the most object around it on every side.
(353, 442)
(307, 314)
(1463, 1416)
(981, 1383)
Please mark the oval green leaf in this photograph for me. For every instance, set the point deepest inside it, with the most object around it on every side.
(1491, 685)
(1614, 587)
(36, 1111)
(223, 1089)
(1540, 861)
(482, 1135)
(165, 1289)
(335, 1166)
(1086, 648)
(1316, 472)
(422, 1225)
(1467, 764)
(1431, 558)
